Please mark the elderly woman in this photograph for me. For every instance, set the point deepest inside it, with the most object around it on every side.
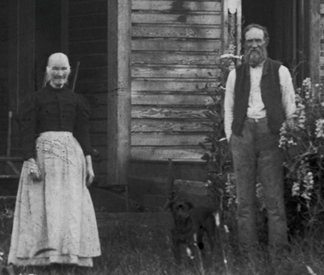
(54, 216)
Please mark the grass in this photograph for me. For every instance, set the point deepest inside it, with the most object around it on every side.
(146, 250)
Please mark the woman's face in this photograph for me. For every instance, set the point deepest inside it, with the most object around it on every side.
(58, 70)
(58, 75)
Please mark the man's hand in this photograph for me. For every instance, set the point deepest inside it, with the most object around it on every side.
(89, 170)
(290, 122)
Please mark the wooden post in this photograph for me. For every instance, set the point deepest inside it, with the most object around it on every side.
(119, 90)
(314, 40)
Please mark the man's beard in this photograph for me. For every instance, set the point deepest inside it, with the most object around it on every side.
(255, 56)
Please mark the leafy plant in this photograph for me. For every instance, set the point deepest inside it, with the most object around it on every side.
(303, 144)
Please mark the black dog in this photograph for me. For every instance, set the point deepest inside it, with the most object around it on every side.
(190, 223)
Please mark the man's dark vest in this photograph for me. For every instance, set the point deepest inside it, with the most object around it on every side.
(270, 92)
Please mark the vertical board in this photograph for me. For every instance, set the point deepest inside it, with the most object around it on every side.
(21, 53)
(174, 63)
(4, 35)
(119, 108)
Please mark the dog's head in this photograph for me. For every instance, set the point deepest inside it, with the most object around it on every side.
(180, 209)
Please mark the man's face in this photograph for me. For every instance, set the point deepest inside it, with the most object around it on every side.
(255, 47)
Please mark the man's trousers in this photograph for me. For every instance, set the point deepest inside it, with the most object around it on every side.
(256, 153)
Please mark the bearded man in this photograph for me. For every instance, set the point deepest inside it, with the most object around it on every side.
(259, 98)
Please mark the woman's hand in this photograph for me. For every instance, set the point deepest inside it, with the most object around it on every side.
(33, 169)
(89, 170)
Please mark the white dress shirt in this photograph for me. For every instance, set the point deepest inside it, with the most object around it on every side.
(256, 108)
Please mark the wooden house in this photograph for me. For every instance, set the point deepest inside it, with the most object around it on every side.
(146, 67)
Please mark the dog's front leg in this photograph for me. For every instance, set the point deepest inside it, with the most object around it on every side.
(177, 252)
(176, 247)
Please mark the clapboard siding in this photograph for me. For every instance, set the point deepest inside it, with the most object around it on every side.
(87, 43)
(170, 100)
(174, 113)
(161, 139)
(169, 126)
(174, 85)
(152, 153)
(140, 31)
(140, 57)
(183, 6)
(175, 62)
(177, 18)
(175, 71)
(203, 46)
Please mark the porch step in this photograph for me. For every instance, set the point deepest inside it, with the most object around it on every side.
(7, 197)
(9, 176)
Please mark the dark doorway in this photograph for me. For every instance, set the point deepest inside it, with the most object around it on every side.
(286, 22)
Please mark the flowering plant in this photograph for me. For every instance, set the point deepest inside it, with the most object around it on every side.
(303, 145)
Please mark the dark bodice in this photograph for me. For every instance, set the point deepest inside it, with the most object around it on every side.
(52, 109)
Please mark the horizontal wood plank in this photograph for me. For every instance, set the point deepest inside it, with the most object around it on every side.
(91, 47)
(174, 113)
(86, 21)
(185, 58)
(173, 85)
(93, 73)
(84, 86)
(176, 5)
(98, 126)
(82, 35)
(90, 61)
(165, 153)
(176, 45)
(176, 32)
(166, 140)
(176, 72)
(97, 100)
(89, 7)
(195, 100)
(98, 139)
(169, 126)
(162, 18)
(85, 1)
(99, 113)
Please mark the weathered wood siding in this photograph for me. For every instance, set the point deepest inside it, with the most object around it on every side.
(322, 41)
(175, 50)
(87, 43)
